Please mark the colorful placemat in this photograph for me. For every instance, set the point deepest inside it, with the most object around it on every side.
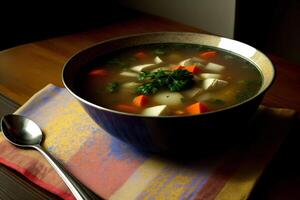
(115, 170)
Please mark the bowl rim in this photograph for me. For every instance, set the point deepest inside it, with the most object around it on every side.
(260, 92)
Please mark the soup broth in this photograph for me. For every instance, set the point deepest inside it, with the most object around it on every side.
(169, 79)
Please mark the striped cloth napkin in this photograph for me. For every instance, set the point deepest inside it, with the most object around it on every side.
(114, 170)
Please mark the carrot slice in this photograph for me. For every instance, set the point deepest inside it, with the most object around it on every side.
(179, 112)
(141, 101)
(140, 55)
(98, 72)
(127, 108)
(208, 54)
(196, 108)
(193, 69)
(177, 67)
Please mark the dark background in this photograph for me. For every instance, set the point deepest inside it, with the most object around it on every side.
(27, 22)
(273, 26)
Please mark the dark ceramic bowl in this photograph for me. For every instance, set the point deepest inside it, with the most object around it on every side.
(173, 134)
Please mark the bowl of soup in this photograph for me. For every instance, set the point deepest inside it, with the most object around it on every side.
(171, 91)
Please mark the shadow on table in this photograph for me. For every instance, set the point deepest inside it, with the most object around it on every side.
(244, 162)
(282, 177)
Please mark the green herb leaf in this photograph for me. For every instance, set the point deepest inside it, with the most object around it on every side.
(143, 76)
(176, 80)
(113, 87)
(147, 89)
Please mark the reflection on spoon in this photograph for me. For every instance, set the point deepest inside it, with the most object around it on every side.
(23, 132)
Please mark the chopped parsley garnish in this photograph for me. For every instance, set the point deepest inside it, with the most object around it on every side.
(113, 87)
(175, 81)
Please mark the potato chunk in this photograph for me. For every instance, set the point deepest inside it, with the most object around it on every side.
(129, 74)
(145, 67)
(192, 61)
(156, 110)
(214, 84)
(213, 67)
(209, 75)
(168, 98)
(190, 93)
(157, 60)
(130, 85)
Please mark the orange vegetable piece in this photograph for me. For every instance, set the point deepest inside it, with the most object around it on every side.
(179, 112)
(140, 101)
(140, 55)
(208, 54)
(196, 108)
(127, 108)
(193, 69)
(98, 72)
(177, 67)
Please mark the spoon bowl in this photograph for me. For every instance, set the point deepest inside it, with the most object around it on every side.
(24, 132)
(21, 131)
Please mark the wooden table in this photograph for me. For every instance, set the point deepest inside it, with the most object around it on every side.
(27, 68)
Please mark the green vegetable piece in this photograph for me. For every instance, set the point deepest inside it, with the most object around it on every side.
(147, 89)
(113, 87)
(143, 75)
(175, 81)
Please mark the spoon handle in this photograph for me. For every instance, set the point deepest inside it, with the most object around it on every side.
(76, 190)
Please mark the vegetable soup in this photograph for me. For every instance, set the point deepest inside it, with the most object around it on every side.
(169, 79)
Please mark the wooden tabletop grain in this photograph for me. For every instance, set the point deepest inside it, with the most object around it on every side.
(27, 68)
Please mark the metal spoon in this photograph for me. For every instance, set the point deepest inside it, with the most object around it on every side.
(23, 132)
